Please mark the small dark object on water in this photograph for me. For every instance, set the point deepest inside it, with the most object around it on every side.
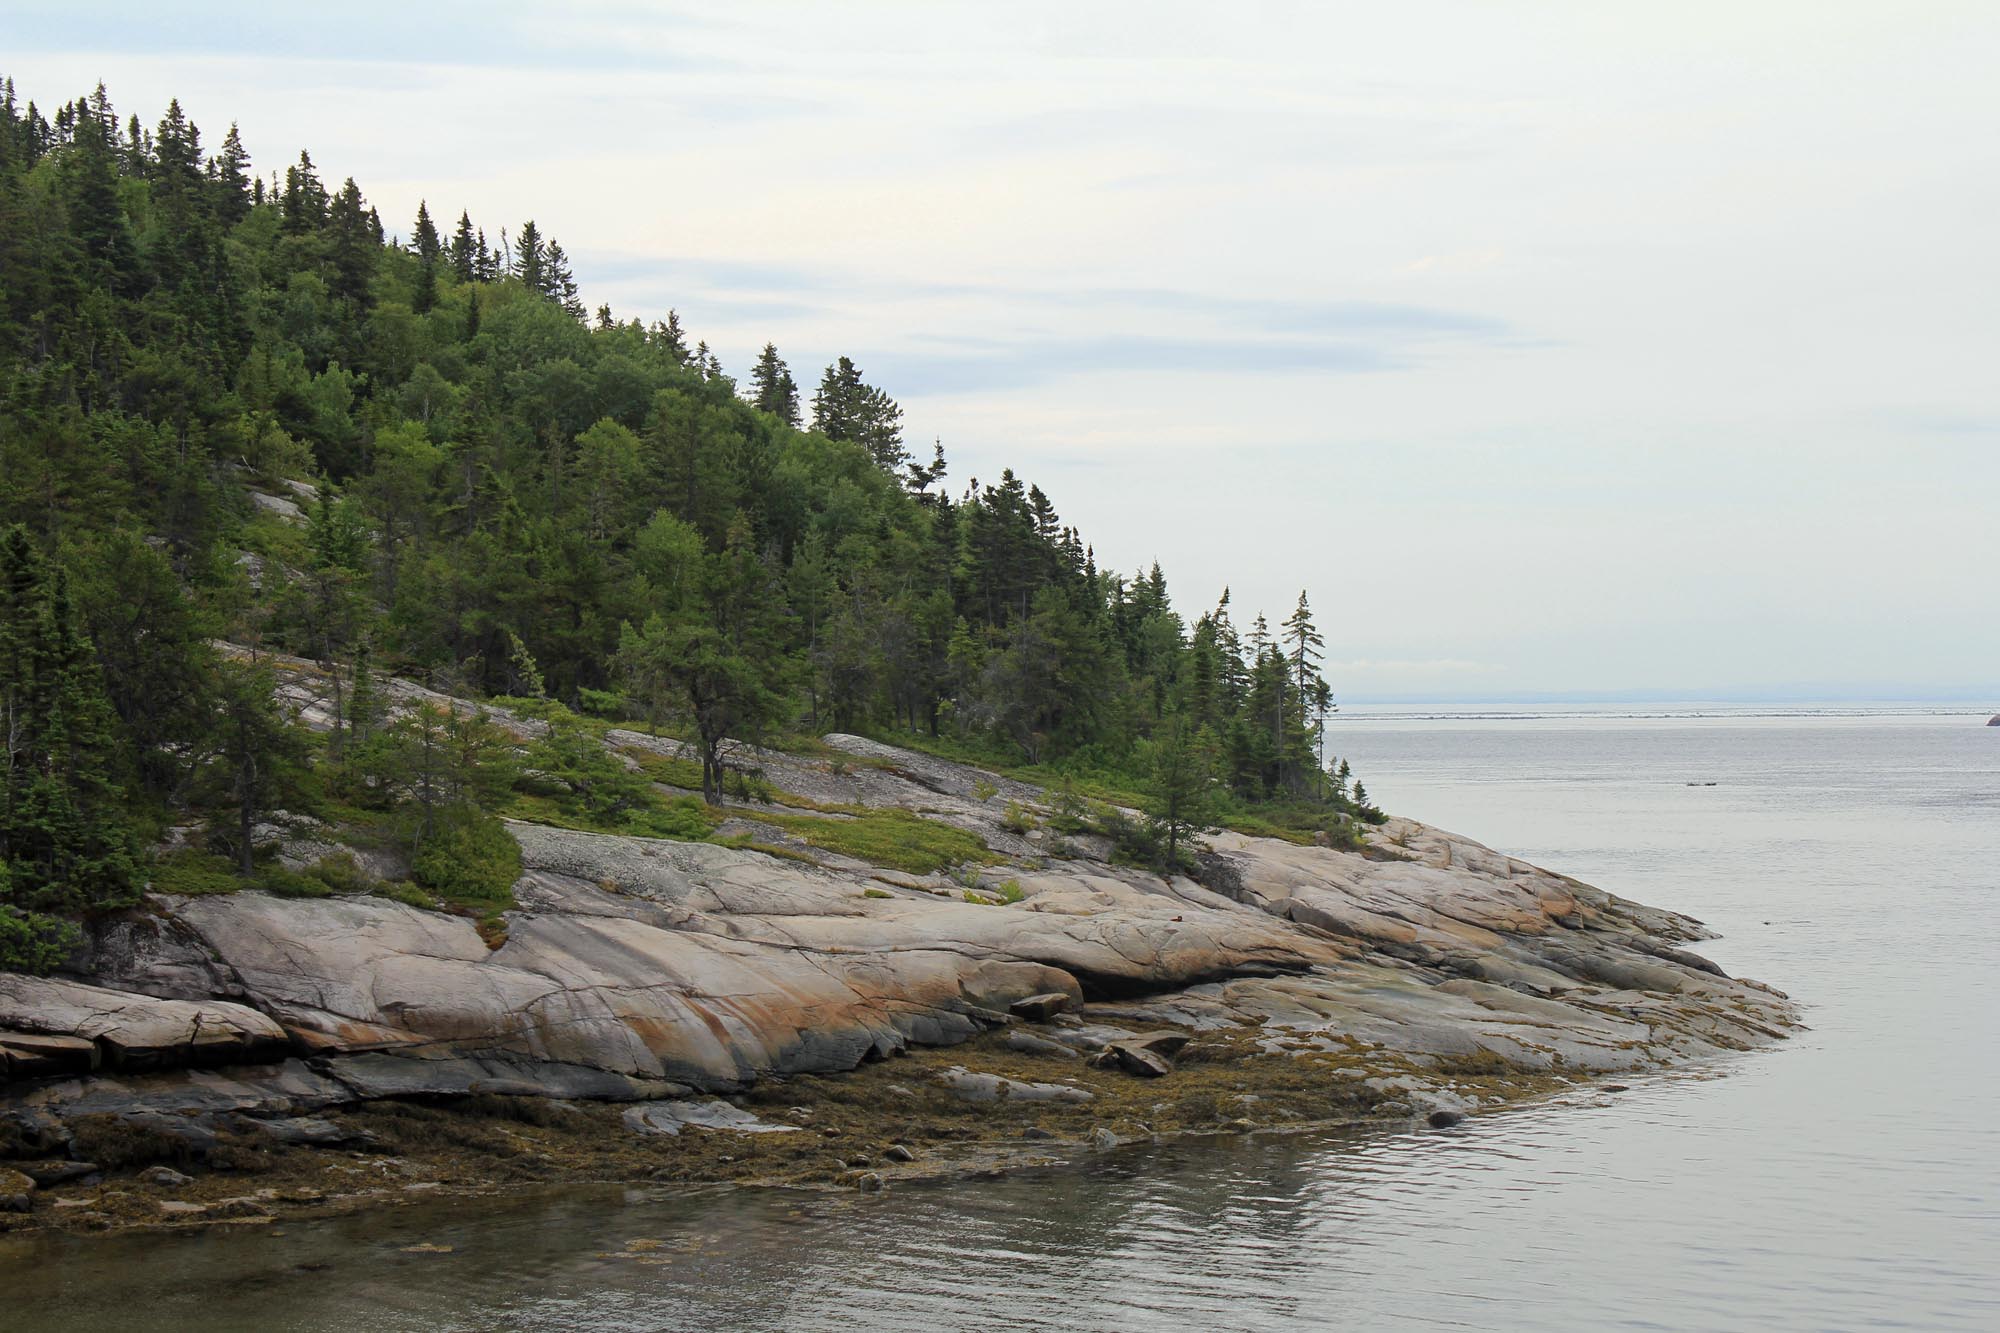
(1446, 1119)
(1617, 1087)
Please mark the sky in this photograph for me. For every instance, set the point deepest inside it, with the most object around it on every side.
(1556, 349)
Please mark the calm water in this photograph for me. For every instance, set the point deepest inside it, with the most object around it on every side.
(1850, 1179)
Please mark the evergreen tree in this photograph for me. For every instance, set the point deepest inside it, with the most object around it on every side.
(531, 259)
(561, 284)
(424, 235)
(465, 250)
(304, 202)
(1184, 784)
(772, 388)
(353, 247)
(232, 179)
(847, 408)
(258, 756)
(63, 840)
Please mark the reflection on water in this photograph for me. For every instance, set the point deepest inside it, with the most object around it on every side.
(1847, 1179)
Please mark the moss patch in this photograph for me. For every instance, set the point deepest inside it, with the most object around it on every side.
(894, 838)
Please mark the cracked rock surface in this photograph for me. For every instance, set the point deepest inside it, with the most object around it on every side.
(635, 969)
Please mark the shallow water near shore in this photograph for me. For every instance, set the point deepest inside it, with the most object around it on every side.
(1849, 1178)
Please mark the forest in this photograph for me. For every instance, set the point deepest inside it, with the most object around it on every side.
(241, 416)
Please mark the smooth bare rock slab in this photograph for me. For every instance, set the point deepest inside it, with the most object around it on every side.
(138, 1031)
(42, 1055)
(637, 968)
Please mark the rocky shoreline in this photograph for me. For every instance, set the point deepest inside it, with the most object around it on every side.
(674, 1011)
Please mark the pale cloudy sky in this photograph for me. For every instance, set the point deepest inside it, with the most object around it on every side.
(1554, 346)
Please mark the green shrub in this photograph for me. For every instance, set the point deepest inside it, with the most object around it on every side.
(672, 770)
(34, 942)
(341, 873)
(406, 893)
(1018, 819)
(876, 893)
(188, 871)
(890, 837)
(745, 786)
(288, 883)
(470, 860)
(984, 791)
(603, 703)
(1012, 892)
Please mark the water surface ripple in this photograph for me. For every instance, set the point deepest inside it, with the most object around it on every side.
(1849, 1179)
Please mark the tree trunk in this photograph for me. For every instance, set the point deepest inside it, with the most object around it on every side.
(246, 815)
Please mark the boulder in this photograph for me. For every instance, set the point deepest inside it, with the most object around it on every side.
(1139, 1060)
(17, 1191)
(165, 1176)
(1039, 1008)
(1029, 1044)
(968, 1086)
(673, 1116)
(1442, 1119)
(45, 1174)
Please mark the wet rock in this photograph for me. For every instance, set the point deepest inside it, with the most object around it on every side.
(1164, 1044)
(165, 1176)
(17, 1191)
(181, 1210)
(1139, 1061)
(45, 1174)
(1442, 1119)
(1037, 1132)
(1102, 1139)
(712, 967)
(871, 1182)
(897, 1152)
(968, 1086)
(1039, 1008)
(297, 1131)
(672, 1117)
(1029, 1044)
(241, 1207)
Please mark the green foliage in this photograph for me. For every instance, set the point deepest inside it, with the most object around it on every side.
(507, 501)
(34, 942)
(188, 871)
(588, 781)
(1011, 892)
(1018, 818)
(892, 837)
(470, 860)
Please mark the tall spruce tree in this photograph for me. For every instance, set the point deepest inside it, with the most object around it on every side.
(772, 387)
(64, 842)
